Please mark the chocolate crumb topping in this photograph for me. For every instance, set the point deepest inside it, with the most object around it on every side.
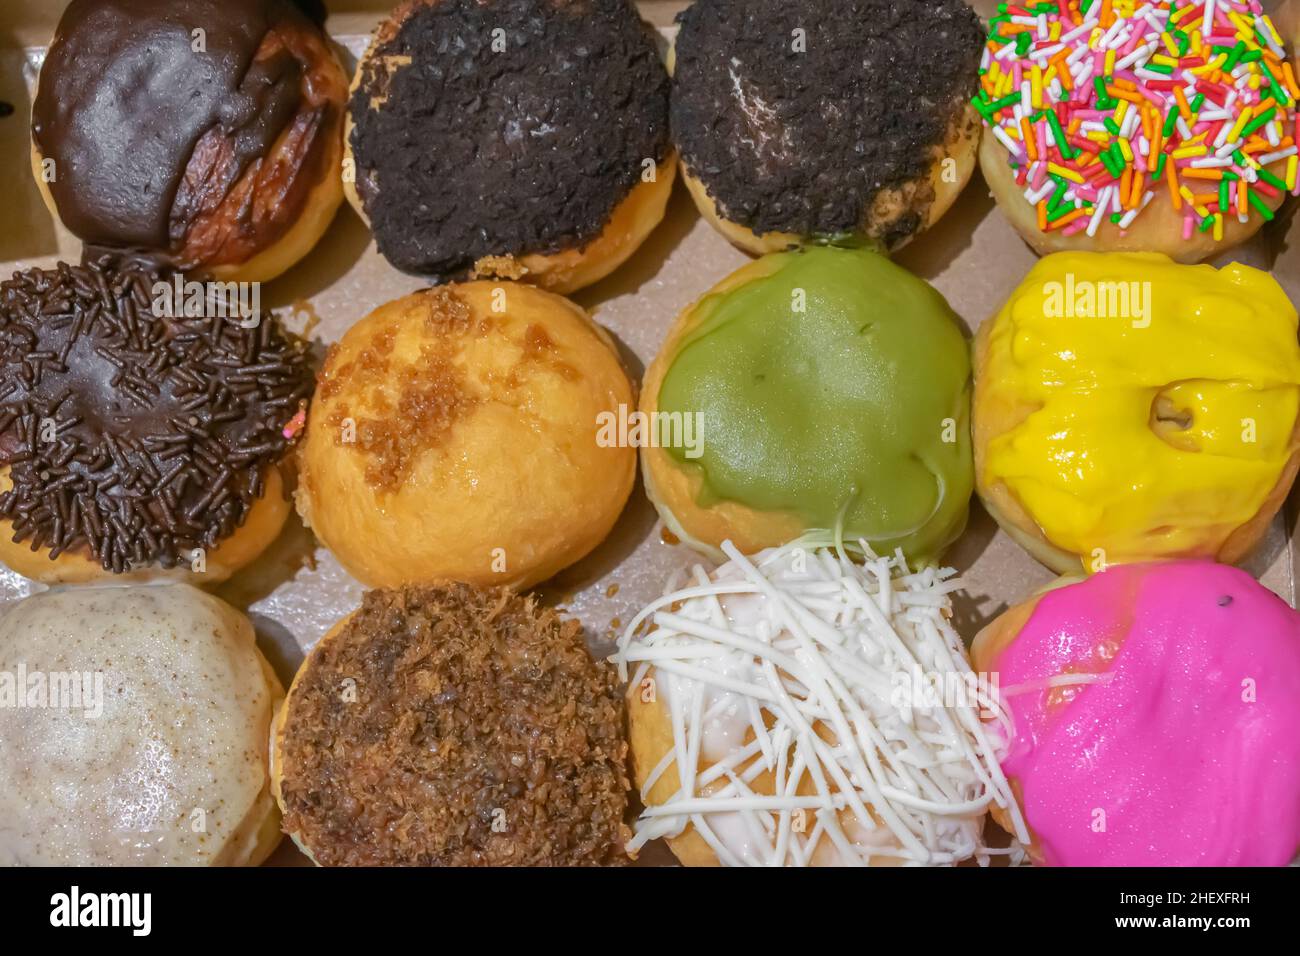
(134, 437)
(504, 127)
(800, 132)
(454, 726)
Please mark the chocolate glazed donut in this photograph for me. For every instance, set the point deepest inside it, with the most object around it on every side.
(199, 131)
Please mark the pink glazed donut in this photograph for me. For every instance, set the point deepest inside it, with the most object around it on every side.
(1155, 718)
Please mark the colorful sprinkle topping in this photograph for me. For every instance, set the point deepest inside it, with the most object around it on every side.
(1102, 103)
(295, 425)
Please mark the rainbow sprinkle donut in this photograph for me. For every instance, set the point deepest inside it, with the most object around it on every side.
(1106, 107)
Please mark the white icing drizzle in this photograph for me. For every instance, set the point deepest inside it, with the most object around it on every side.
(784, 666)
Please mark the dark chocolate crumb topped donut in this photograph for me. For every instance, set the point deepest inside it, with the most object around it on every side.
(515, 128)
(132, 437)
(453, 726)
(797, 132)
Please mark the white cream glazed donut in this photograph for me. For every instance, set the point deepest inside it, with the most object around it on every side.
(778, 716)
(134, 730)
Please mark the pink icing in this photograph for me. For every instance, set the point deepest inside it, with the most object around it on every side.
(1167, 753)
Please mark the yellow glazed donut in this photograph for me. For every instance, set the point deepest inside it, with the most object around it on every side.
(455, 436)
(1128, 408)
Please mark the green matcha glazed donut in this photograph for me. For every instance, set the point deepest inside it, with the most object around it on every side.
(830, 391)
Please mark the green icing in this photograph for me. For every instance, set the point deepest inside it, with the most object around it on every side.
(834, 414)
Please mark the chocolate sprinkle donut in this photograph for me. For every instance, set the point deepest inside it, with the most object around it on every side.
(802, 142)
(478, 152)
(131, 437)
(454, 726)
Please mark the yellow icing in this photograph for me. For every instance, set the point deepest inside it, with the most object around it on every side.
(1148, 431)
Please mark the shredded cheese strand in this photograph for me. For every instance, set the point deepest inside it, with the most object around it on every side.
(787, 666)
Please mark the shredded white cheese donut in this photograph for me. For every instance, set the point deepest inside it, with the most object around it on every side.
(798, 734)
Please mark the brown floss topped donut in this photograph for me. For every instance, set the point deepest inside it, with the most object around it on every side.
(477, 152)
(802, 142)
(151, 137)
(481, 733)
(128, 436)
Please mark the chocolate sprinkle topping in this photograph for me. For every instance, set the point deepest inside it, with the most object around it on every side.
(132, 437)
(479, 152)
(802, 142)
(455, 726)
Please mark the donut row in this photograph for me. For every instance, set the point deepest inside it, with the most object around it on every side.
(1109, 126)
(814, 427)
